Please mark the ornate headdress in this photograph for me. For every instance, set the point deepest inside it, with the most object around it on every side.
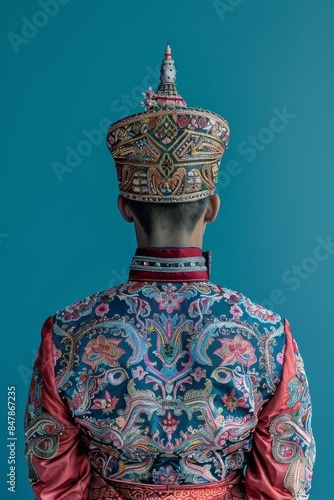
(169, 153)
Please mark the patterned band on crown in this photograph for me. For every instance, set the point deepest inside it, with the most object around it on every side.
(170, 153)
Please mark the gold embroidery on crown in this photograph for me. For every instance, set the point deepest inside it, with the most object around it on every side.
(166, 165)
(168, 153)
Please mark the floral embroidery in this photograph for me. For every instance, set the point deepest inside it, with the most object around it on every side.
(169, 300)
(56, 353)
(107, 404)
(232, 402)
(292, 434)
(171, 376)
(77, 310)
(42, 430)
(139, 372)
(102, 350)
(101, 309)
(236, 350)
(199, 373)
(165, 475)
(280, 356)
(236, 311)
(260, 312)
(169, 425)
(166, 383)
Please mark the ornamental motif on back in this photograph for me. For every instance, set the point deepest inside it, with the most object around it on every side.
(167, 371)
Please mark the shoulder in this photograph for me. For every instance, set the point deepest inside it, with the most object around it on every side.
(243, 307)
(253, 321)
(92, 306)
(253, 335)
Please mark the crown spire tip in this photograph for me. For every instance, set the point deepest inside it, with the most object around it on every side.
(168, 52)
(166, 94)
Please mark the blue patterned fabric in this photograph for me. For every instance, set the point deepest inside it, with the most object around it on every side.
(166, 380)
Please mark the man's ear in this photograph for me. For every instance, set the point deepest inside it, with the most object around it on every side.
(124, 208)
(212, 208)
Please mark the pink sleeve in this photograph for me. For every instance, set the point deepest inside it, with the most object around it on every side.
(282, 458)
(58, 467)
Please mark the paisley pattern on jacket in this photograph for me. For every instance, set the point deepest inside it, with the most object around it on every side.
(166, 380)
(43, 430)
(292, 436)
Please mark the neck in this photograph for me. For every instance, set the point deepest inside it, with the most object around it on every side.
(176, 239)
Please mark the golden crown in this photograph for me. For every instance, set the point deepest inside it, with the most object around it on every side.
(169, 153)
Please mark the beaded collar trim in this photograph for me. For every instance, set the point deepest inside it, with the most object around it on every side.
(156, 264)
(174, 264)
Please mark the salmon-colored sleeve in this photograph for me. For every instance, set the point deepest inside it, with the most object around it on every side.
(59, 468)
(281, 462)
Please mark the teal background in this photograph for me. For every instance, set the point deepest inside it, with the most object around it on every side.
(61, 241)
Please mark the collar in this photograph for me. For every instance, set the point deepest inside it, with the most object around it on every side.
(170, 264)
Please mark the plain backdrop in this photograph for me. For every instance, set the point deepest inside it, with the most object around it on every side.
(70, 68)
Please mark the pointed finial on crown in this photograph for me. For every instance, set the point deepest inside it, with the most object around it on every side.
(168, 71)
(167, 95)
(168, 52)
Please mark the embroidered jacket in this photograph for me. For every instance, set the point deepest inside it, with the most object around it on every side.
(170, 383)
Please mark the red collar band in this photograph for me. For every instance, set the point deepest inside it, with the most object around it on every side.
(170, 264)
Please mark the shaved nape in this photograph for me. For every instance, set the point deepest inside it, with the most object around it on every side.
(169, 217)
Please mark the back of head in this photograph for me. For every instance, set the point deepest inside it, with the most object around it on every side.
(168, 217)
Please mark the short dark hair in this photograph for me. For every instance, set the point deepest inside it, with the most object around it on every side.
(171, 216)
